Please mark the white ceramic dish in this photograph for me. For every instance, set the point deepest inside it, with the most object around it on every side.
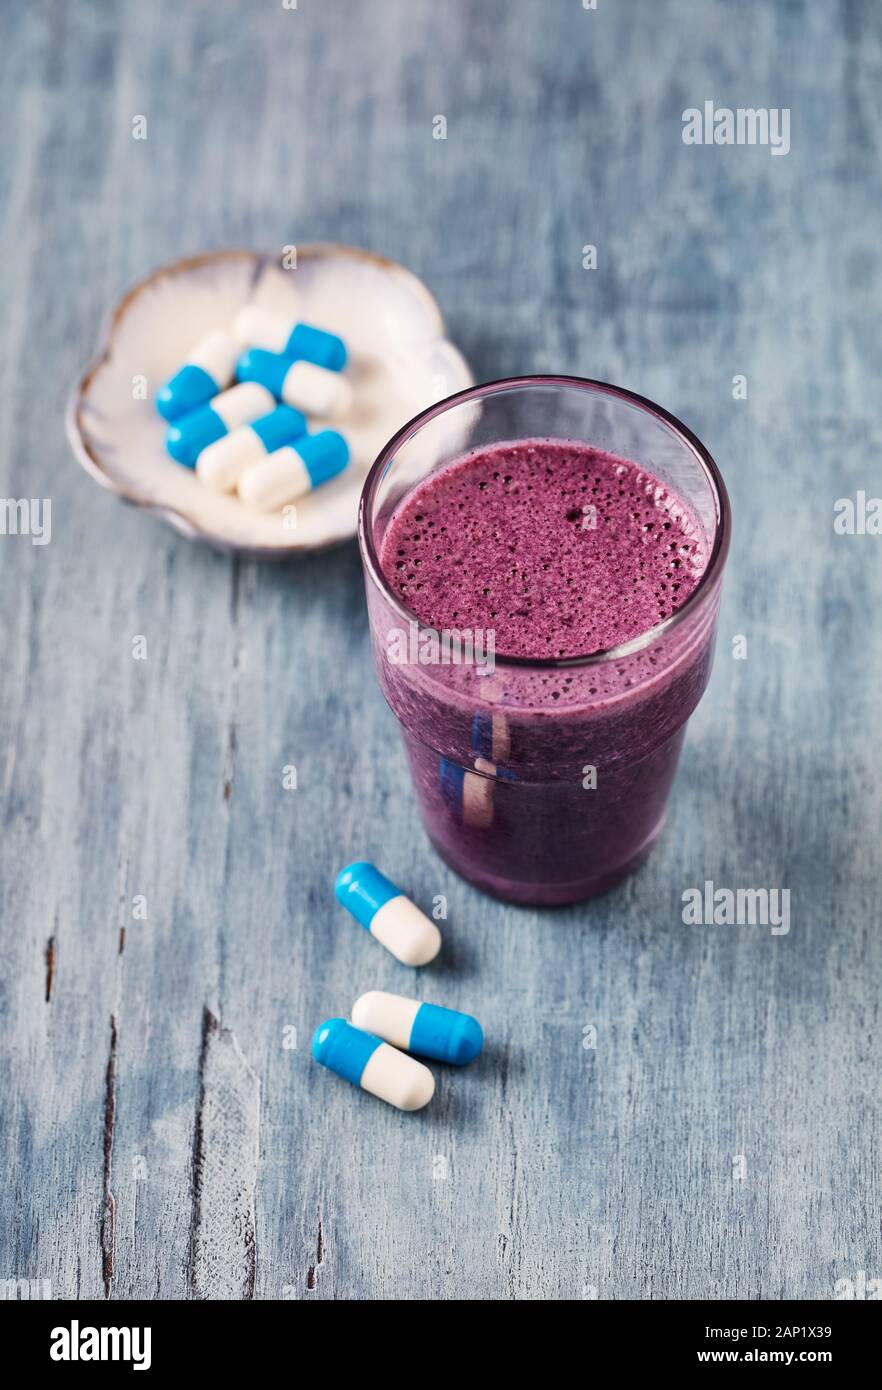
(400, 359)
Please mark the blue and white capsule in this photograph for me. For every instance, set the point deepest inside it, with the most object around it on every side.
(299, 383)
(372, 1064)
(240, 405)
(427, 1029)
(222, 464)
(491, 738)
(261, 328)
(384, 911)
(207, 370)
(289, 473)
(470, 794)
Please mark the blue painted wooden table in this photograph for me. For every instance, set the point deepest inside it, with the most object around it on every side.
(663, 1110)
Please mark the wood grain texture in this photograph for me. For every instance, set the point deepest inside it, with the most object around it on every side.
(226, 1152)
(549, 1170)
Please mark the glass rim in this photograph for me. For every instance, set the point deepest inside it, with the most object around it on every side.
(693, 444)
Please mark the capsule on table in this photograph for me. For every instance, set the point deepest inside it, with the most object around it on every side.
(372, 1064)
(300, 383)
(222, 464)
(191, 434)
(255, 327)
(207, 370)
(291, 472)
(427, 1029)
(384, 911)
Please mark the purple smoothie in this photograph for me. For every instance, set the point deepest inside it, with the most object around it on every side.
(545, 782)
(562, 549)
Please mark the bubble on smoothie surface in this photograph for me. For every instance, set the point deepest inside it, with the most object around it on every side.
(561, 549)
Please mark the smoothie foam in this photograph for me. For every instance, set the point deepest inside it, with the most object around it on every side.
(561, 549)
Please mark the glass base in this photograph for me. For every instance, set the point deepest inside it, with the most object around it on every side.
(547, 894)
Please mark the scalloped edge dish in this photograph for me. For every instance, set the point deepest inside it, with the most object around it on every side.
(401, 362)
